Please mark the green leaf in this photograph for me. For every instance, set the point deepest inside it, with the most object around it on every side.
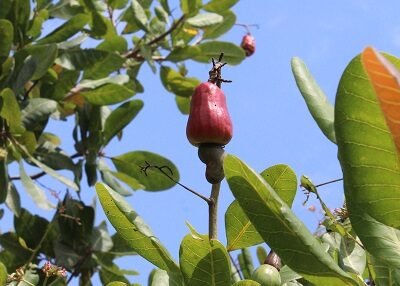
(10, 110)
(158, 277)
(181, 54)
(30, 228)
(100, 239)
(352, 256)
(36, 193)
(218, 30)
(190, 7)
(240, 232)
(246, 263)
(283, 180)
(288, 274)
(204, 20)
(385, 276)
(317, 102)
(261, 254)
(183, 103)
(139, 14)
(233, 54)
(44, 57)
(92, 84)
(107, 94)
(117, 283)
(94, 62)
(13, 200)
(134, 164)
(121, 117)
(218, 6)
(98, 25)
(66, 30)
(133, 229)
(370, 164)
(246, 283)
(204, 261)
(174, 82)
(37, 110)
(283, 232)
(6, 38)
(50, 171)
(3, 274)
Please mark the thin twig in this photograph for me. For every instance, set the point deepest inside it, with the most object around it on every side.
(330, 182)
(41, 174)
(135, 52)
(236, 266)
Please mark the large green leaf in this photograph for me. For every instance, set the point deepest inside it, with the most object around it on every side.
(204, 261)
(66, 30)
(317, 102)
(121, 117)
(13, 200)
(217, 30)
(280, 228)
(144, 166)
(218, 6)
(204, 20)
(240, 232)
(136, 233)
(158, 277)
(139, 14)
(3, 274)
(174, 82)
(384, 275)
(283, 180)
(370, 164)
(6, 38)
(108, 94)
(233, 54)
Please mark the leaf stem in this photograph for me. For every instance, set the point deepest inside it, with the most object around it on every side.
(213, 211)
(329, 182)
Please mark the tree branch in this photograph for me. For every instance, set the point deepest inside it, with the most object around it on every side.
(213, 211)
(134, 53)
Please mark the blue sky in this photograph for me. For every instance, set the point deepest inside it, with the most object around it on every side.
(271, 121)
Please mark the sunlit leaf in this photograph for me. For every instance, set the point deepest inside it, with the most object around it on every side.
(204, 261)
(280, 228)
(133, 229)
(3, 274)
(144, 166)
(239, 230)
(204, 20)
(10, 111)
(139, 14)
(321, 110)
(183, 103)
(37, 110)
(174, 82)
(370, 164)
(233, 54)
(385, 276)
(219, 5)
(246, 282)
(217, 30)
(36, 193)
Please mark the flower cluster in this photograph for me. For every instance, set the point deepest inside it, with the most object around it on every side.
(53, 270)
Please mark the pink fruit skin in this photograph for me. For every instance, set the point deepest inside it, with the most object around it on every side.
(248, 44)
(209, 120)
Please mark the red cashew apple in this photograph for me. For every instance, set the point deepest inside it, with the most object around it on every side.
(209, 121)
(248, 44)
